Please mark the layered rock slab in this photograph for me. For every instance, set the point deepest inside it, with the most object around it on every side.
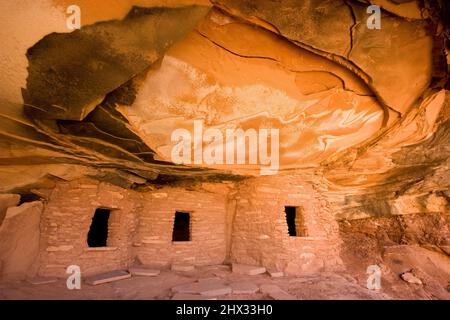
(257, 80)
(375, 55)
(19, 241)
(85, 65)
(107, 277)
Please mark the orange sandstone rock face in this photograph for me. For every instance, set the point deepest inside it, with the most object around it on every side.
(133, 113)
(318, 80)
(20, 236)
(376, 56)
(254, 81)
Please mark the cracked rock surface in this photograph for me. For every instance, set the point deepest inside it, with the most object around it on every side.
(365, 110)
(364, 135)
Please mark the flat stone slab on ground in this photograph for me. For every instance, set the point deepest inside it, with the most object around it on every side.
(41, 280)
(218, 267)
(276, 293)
(275, 274)
(144, 272)
(244, 287)
(187, 288)
(247, 269)
(221, 273)
(214, 289)
(203, 288)
(182, 267)
(107, 277)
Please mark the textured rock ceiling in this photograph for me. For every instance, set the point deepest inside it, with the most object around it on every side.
(255, 80)
(367, 110)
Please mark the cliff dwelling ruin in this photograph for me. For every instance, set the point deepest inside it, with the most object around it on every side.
(195, 149)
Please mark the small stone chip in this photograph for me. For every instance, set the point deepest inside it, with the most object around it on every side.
(411, 278)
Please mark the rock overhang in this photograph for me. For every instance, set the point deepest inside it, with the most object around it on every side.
(117, 110)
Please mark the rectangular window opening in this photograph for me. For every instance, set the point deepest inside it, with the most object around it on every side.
(181, 227)
(295, 223)
(98, 231)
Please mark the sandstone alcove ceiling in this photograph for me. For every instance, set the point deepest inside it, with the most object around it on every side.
(116, 93)
(362, 122)
(253, 81)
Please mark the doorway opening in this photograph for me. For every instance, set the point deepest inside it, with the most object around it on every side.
(295, 222)
(181, 227)
(98, 232)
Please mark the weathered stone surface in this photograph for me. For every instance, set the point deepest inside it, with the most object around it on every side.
(406, 9)
(41, 280)
(243, 76)
(6, 201)
(349, 38)
(214, 289)
(276, 292)
(203, 288)
(364, 133)
(19, 240)
(144, 272)
(264, 213)
(190, 288)
(393, 176)
(182, 267)
(410, 278)
(121, 52)
(106, 277)
(185, 296)
(247, 269)
(59, 248)
(97, 59)
(244, 288)
(446, 249)
(212, 280)
(339, 88)
(275, 274)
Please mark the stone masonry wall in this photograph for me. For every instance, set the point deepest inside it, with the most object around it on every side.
(243, 222)
(260, 231)
(66, 221)
(208, 224)
(140, 226)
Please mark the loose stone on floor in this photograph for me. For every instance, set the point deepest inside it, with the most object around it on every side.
(41, 280)
(275, 274)
(247, 269)
(144, 272)
(111, 276)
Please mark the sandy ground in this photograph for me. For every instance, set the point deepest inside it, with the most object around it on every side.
(428, 264)
(323, 286)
